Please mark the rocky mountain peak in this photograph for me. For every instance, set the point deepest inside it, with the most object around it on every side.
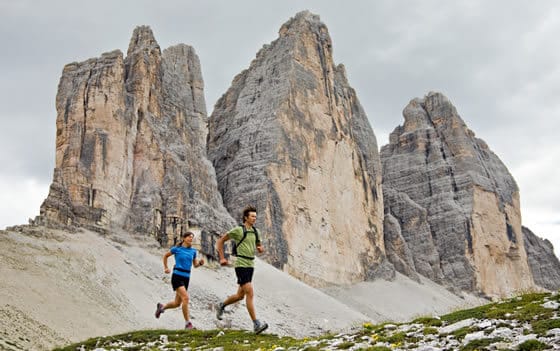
(291, 137)
(131, 137)
(302, 22)
(452, 203)
(142, 39)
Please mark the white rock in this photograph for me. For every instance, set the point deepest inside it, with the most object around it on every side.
(520, 339)
(484, 324)
(553, 305)
(474, 336)
(428, 348)
(502, 332)
(456, 326)
(164, 339)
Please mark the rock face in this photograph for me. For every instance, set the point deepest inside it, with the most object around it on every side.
(291, 137)
(451, 207)
(130, 144)
(542, 261)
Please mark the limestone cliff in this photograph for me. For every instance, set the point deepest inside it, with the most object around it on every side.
(451, 206)
(291, 137)
(130, 144)
(542, 261)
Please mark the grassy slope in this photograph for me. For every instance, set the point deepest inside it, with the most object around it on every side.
(526, 309)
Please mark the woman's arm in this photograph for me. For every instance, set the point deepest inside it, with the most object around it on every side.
(198, 262)
(220, 247)
(165, 257)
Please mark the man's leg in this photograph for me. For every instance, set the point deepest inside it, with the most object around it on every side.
(235, 297)
(247, 289)
(258, 326)
(229, 300)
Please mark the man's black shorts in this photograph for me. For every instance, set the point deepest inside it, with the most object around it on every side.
(179, 280)
(244, 274)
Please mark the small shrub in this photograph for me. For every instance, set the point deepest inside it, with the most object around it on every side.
(395, 338)
(378, 348)
(480, 344)
(429, 321)
(477, 312)
(542, 326)
(532, 345)
(459, 334)
(430, 330)
(345, 345)
(367, 326)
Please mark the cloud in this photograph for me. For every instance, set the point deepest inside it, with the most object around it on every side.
(21, 199)
(496, 61)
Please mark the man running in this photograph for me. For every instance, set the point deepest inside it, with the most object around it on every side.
(246, 239)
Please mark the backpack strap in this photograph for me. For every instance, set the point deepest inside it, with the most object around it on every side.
(257, 241)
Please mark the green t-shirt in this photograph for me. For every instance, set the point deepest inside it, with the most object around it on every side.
(247, 248)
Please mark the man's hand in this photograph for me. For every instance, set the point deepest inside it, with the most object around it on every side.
(260, 249)
(167, 270)
(201, 262)
(223, 262)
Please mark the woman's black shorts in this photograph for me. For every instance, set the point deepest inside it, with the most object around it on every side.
(179, 280)
(244, 274)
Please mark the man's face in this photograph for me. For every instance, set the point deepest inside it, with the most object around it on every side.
(252, 218)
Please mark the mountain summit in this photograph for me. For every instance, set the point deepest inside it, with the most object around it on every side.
(452, 209)
(130, 144)
(291, 136)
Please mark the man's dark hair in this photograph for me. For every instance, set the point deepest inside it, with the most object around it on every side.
(246, 211)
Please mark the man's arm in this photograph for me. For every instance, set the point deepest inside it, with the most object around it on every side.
(220, 247)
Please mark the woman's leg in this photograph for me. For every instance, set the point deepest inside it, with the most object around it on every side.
(183, 295)
(175, 303)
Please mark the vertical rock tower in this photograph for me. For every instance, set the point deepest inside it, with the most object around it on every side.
(543, 263)
(451, 206)
(291, 137)
(130, 143)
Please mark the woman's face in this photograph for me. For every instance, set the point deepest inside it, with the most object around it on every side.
(188, 240)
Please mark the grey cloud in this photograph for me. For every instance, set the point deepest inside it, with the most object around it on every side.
(496, 61)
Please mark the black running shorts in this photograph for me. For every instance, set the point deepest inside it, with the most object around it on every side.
(179, 280)
(244, 274)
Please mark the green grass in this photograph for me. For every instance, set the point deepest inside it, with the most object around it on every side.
(459, 334)
(430, 330)
(233, 339)
(525, 308)
(542, 326)
(479, 344)
(507, 309)
(429, 321)
(532, 345)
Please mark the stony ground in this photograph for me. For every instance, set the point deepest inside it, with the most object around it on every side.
(60, 287)
(527, 322)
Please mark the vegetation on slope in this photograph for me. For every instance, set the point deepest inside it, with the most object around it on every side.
(526, 322)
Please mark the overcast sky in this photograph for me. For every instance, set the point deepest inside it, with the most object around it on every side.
(498, 62)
